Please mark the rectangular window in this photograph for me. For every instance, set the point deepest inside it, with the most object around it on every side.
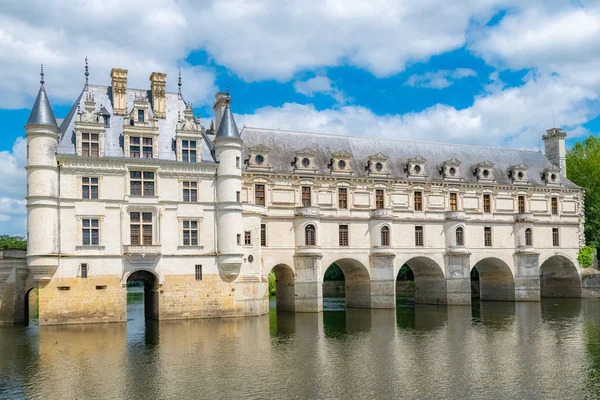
(106, 121)
(134, 147)
(453, 202)
(238, 196)
(418, 201)
(343, 235)
(554, 202)
(237, 162)
(141, 183)
(555, 237)
(487, 236)
(259, 195)
(239, 239)
(487, 203)
(198, 272)
(247, 238)
(419, 236)
(190, 192)
(343, 198)
(84, 271)
(379, 200)
(190, 233)
(147, 148)
(140, 115)
(89, 188)
(140, 228)
(188, 150)
(90, 229)
(263, 235)
(90, 145)
(306, 200)
(521, 200)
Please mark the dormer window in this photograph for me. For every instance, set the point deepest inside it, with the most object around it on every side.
(305, 160)
(377, 164)
(451, 169)
(340, 162)
(141, 116)
(484, 171)
(258, 157)
(188, 150)
(518, 173)
(416, 167)
(551, 175)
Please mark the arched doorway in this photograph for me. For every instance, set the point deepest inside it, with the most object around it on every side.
(281, 285)
(142, 293)
(356, 287)
(31, 307)
(492, 279)
(424, 278)
(559, 278)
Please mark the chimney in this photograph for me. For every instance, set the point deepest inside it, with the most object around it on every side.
(554, 148)
(158, 81)
(119, 90)
(221, 100)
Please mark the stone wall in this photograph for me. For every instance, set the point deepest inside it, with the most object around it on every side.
(334, 289)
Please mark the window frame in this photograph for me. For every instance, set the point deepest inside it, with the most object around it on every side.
(528, 237)
(521, 204)
(554, 205)
(418, 200)
(453, 201)
(419, 236)
(263, 235)
(190, 229)
(90, 139)
(379, 199)
(89, 187)
(310, 235)
(191, 188)
(84, 270)
(343, 198)
(88, 230)
(343, 235)
(142, 181)
(555, 237)
(306, 199)
(385, 236)
(247, 238)
(259, 194)
(487, 237)
(189, 151)
(459, 236)
(142, 224)
(487, 203)
(198, 272)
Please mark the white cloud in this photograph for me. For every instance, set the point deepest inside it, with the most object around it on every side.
(322, 85)
(440, 79)
(13, 189)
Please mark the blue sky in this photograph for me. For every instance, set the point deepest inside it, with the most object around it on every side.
(493, 73)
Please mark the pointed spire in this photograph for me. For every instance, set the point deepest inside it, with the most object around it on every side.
(41, 113)
(87, 72)
(179, 84)
(227, 128)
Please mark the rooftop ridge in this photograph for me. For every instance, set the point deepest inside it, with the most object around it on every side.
(388, 139)
(129, 88)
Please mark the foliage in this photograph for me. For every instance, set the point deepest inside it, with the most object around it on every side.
(12, 242)
(334, 273)
(405, 274)
(272, 284)
(583, 168)
(585, 257)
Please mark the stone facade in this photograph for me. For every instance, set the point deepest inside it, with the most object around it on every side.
(119, 191)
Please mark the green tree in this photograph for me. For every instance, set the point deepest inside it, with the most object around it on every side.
(12, 242)
(334, 273)
(583, 168)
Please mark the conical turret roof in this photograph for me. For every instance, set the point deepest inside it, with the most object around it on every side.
(41, 113)
(227, 128)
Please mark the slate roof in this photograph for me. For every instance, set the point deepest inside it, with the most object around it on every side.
(41, 112)
(174, 107)
(283, 146)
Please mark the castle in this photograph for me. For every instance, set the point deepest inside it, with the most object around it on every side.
(131, 186)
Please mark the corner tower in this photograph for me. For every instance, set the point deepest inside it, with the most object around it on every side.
(555, 150)
(42, 188)
(228, 151)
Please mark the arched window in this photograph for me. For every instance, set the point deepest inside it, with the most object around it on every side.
(460, 238)
(310, 235)
(385, 236)
(528, 237)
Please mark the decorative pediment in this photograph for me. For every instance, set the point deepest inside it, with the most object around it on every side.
(89, 114)
(305, 160)
(379, 156)
(551, 175)
(484, 171)
(518, 173)
(307, 151)
(341, 154)
(451, 169)
(415, 166)
(377, 164)
(188, 123)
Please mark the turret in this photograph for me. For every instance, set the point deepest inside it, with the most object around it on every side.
(228, 151)
(554, 148)
(42, 188)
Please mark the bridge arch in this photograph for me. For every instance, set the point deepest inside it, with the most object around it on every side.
(151, 287)
(559, 277)
(357, 282)
(430, 282)
(495, 280)
(285, 293)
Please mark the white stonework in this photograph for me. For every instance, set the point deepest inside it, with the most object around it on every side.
(270, 200)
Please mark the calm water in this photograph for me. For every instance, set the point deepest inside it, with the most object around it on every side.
(489, 351)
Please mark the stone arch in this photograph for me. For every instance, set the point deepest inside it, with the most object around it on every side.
(430, 283)
(385, 235)
(27, 300)
(151, 288)
(310, 234)
(559, 277)
(459, 235)
(496, 280)
(357, 282)
(285, 293)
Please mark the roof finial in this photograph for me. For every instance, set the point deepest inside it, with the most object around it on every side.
(87, 72)
(42, 74)
(227, 90)
(179, 83)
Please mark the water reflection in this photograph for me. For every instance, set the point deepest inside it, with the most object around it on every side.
(489, 350)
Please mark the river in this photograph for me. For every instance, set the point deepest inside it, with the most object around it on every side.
(548, 350)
